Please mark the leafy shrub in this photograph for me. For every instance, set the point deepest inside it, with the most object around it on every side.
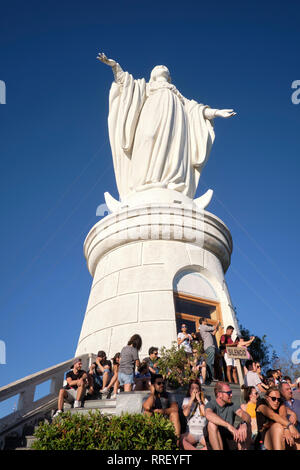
(96, 431)
(174, 366)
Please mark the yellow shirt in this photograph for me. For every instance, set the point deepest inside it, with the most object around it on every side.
(251, 409)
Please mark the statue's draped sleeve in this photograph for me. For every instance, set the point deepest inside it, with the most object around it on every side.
(126, 100)
(201, 136)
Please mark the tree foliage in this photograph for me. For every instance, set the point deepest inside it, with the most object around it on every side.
(286, 365)
(260, 349)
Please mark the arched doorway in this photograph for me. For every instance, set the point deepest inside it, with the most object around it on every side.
(195, 298)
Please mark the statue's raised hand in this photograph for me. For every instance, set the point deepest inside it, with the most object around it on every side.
(102, 57)
(225, 113)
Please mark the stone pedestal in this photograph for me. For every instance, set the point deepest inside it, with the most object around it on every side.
(134, 256)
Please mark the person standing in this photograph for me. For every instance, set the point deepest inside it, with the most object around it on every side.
(129, 361)
(226, 341)
(208, 333)
(184, 340)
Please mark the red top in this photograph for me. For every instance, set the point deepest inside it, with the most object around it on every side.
(225, 339)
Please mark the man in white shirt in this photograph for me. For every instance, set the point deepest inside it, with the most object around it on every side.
(252, 379)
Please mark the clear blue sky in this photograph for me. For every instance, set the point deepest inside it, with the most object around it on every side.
(56, 160)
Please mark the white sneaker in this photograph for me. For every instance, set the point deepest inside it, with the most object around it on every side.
(77, 404)
(104, 390)
(113, 397)
(58, 412)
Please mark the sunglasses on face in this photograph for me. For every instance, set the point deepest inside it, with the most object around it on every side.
(228, 393)
(159, 383)
(275, 399)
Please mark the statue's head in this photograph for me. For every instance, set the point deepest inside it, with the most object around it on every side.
(160, 72)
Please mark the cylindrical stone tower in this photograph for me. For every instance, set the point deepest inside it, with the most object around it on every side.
(154, 264)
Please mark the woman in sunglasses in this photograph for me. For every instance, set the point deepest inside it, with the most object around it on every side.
(184, 340)
(275, 432)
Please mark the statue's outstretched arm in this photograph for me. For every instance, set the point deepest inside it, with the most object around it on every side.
(210, 113)
(116, 68)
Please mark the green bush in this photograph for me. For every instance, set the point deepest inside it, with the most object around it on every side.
(97, 431)
(174, 366)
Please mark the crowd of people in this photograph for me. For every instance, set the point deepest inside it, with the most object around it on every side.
(268, 418)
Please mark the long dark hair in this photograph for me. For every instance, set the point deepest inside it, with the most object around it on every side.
(247, 392)
(135, 341)
(116, 356)
(197, 382)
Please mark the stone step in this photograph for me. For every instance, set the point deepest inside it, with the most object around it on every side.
(22, 448)
(104, 403)
(107, 410)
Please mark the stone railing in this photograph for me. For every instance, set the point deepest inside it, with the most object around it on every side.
(28, 410)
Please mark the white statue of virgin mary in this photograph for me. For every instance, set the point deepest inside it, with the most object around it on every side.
(159, 139)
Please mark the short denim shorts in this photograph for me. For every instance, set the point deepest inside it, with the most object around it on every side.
(125, 378)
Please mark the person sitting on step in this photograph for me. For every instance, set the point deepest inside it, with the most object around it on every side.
(152, 360)
(250, 398)
(220, 414)
(194, 411)
(142, 379)
(103, 369)
(275, 430)
(198, 364)
(160, 401)
(74, 390)
(114, 380)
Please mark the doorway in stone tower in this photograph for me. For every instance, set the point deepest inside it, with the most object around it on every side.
(189, 310)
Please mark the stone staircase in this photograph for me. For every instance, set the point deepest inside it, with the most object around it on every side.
(104, 405)
(125, 402)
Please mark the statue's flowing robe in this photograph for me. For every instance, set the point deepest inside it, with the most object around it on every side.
(158, 138)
